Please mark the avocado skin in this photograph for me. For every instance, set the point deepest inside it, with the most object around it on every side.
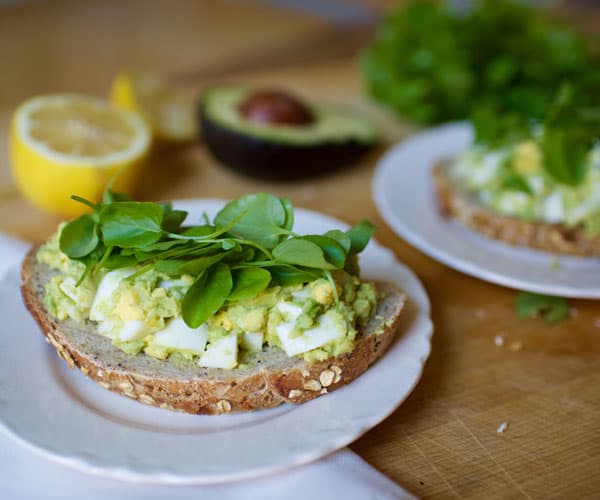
(263, 159)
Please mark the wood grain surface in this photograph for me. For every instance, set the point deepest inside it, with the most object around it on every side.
(544, 381)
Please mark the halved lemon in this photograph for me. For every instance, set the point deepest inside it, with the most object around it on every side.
(74, 144)
(169, 115)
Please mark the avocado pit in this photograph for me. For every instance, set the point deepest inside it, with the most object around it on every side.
(275, 107)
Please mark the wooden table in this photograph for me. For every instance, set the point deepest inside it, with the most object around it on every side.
(443, 441)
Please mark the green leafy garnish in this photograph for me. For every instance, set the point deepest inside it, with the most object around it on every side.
(246, 248)
(536, 305)
(435, 64)
(80, 237)
(207, 295)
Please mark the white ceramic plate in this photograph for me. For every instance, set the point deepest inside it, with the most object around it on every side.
(403, 192)
(65, 416)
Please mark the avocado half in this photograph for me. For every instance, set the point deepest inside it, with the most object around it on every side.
(334, 138)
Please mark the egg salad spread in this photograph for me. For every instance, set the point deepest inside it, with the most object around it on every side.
(512, 181)
(141, 312)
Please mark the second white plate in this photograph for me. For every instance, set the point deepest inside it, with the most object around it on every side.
(66, 417)
(403, 192)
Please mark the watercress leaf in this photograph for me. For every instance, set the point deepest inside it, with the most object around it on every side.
(290, 275)
(170, 266)
(516, 182)
(110, 197)
(228, 244)
(289, 213)
(301, 252)
(249, 282)
(116, 261)
(161, 246)
(198, 231)
(244, 254)
(333, 251)
(197, 266)
(261, 218)
(359, 235)
(565, 156)
(341, 237)
(79, 237)
(534, 305)
(172, 219)
(131, 223)
(207, 295)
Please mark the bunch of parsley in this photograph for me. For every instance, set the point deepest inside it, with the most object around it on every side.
(248, 246)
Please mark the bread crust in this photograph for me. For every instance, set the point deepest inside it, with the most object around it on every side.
(199, 390)
(462, 206)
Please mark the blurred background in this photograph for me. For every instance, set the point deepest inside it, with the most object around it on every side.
(308, 46)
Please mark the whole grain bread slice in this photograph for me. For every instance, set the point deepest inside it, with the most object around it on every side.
(465, 208)
(267, 379)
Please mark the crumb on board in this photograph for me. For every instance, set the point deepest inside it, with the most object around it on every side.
(502, 427)
(499, 340)
(597, 323)
(480, 312)
(515, 345)
(573, 312)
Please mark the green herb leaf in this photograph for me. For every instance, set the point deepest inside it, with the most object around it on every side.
(172, 219)
(110, 197)
(193, 267)
(79, 237)
(341, 237)
(333, 251)
(289, 213)
(206, 296)
(360, 235)
(434, 63)
(199, 231)
(516, 182)
(565, 156)
(117, 261)
(289, 275)
(249, 282)
(535, 305)
(131, 224)
(301, 252)
(261, 216)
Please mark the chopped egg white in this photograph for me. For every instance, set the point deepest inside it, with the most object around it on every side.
(108, 284)
(553, 208)
(131, 330)
(327, 329)
(221, 353)
(177, 335)
(252, 341)
(512, 202)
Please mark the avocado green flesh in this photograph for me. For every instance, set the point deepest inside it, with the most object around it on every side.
(146, 304)
(512, 181)
(331, 125)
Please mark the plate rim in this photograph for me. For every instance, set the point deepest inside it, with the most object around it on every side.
(422, 320)
(451, 260)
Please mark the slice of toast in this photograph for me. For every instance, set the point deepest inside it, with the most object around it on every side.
(267, 379)
(464, 207)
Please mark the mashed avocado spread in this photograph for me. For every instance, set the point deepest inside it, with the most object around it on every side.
(140, 310)
(512, 181)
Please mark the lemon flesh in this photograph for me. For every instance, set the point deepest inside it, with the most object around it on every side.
(71, 144)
